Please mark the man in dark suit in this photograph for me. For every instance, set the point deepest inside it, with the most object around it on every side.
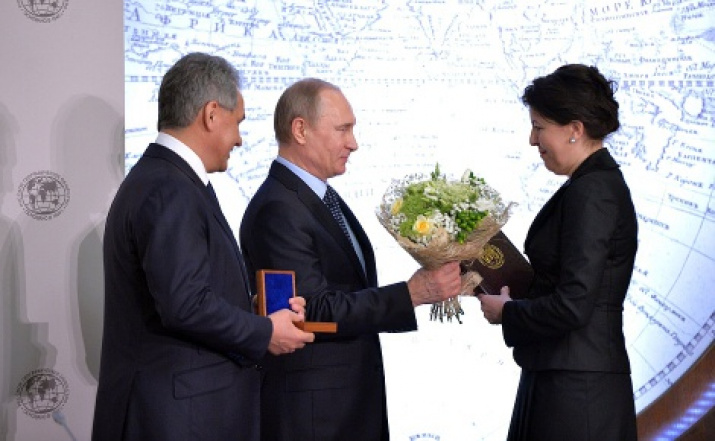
(180, 340)
(335, 388)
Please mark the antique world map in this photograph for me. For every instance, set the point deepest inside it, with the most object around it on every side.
(440, 81)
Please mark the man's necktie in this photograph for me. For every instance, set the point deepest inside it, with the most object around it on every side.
(333, 202)
(213, 194)
(233, 240)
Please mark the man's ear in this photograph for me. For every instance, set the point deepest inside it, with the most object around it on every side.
(298, 128)
(209, 114)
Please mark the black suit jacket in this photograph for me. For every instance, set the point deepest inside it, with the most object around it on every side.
(334, 388)
(178, 328)
(582, 246)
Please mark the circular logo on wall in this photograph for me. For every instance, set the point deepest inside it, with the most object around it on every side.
(43, 11)
(43, 195)
(42, 392)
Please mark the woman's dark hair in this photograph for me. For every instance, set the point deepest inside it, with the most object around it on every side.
(575, 92)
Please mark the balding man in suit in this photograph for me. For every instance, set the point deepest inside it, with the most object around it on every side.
(333, 389)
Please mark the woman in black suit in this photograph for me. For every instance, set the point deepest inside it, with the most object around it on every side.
(567, 334)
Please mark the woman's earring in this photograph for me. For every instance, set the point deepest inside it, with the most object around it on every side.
(572, 140)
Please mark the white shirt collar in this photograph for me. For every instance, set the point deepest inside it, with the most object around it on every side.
(186, 154)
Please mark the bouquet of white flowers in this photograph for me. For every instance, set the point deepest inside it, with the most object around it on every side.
(437, 220)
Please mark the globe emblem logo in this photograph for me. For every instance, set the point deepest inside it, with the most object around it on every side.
(43, 195)
(43, 11)
(42, 392)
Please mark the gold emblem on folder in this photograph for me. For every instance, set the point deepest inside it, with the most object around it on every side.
(492, 257)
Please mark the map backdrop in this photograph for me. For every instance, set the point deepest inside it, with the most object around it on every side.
(440, 81)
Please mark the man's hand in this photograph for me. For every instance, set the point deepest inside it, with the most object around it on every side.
(286, 337)
(492, 306)
(432, 286)
(297, 304)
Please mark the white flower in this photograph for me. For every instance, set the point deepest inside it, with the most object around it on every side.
(484, 205)
(431, 193)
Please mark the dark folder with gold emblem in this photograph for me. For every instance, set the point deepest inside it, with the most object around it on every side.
(502, 264)
(275, 288)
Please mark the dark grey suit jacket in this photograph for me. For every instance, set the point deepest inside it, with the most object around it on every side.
(582, 246)
(179, 333)
(334, 388)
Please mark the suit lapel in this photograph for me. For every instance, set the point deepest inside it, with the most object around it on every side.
(599, 160)
(320, 211)
(162, 152)
(544, 213)
(363, 242)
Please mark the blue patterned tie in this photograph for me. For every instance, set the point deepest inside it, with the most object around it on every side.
(333, 202)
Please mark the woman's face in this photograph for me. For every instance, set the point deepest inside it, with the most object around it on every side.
(560, 156)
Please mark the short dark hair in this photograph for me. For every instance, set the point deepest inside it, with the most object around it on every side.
(193, 81)
(301, 99)
(575, 92)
